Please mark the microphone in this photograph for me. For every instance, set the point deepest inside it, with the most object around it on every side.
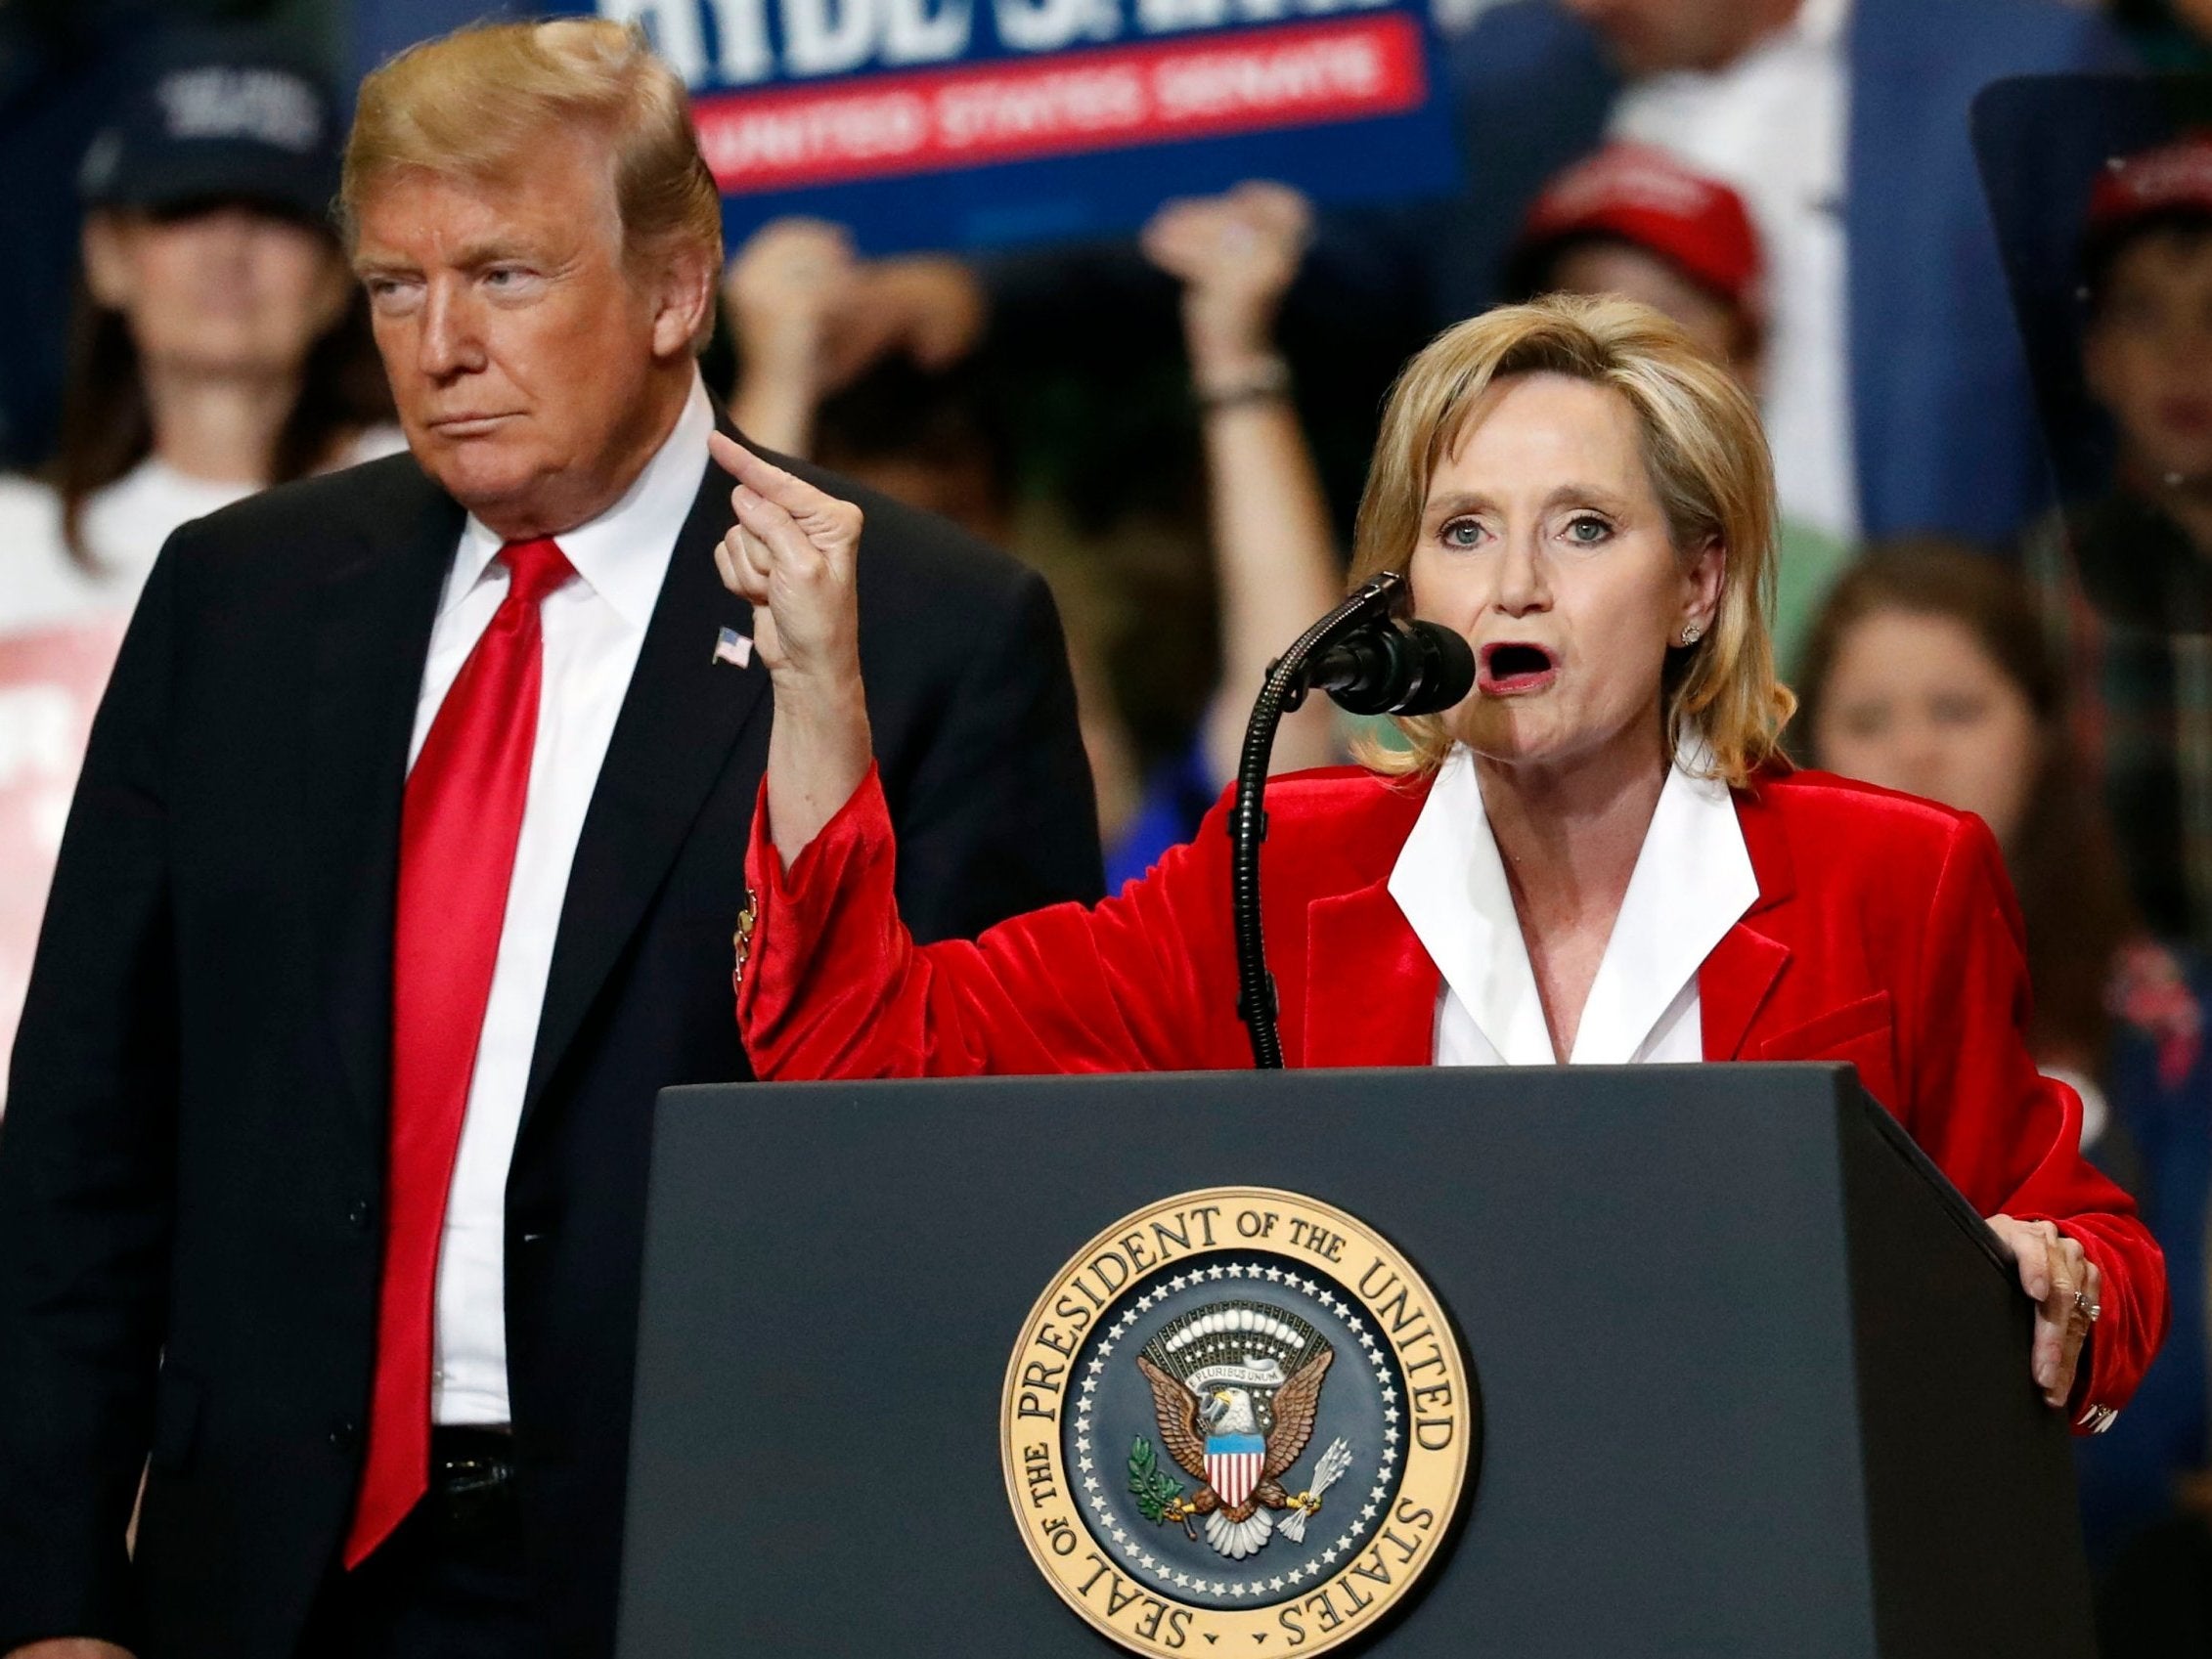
(1371, 665)
(1396, 667)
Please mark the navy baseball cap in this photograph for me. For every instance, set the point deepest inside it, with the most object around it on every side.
(223, 118)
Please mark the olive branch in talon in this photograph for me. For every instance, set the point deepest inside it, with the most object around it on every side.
(1159, 1497)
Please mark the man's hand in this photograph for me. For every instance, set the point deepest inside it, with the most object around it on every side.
(2068, 1292)
(70, 1647)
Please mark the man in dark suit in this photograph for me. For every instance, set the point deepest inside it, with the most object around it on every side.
(402, 874)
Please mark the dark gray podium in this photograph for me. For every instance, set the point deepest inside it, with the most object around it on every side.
(1753, 1378)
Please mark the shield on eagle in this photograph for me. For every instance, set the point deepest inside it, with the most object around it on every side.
(1233, 1464)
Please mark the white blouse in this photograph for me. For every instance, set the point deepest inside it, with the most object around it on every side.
(1692, 883)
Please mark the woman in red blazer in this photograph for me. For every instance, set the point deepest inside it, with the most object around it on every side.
(1597, 854)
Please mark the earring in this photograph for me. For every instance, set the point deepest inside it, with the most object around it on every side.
(1692, 634)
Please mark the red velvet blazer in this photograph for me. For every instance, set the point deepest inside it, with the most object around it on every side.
(1885, 934)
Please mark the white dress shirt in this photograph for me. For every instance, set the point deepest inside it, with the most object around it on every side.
(1775, 124)
(1692, 883)
(593, 630)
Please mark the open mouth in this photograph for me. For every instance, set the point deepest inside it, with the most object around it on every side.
(1512, 667)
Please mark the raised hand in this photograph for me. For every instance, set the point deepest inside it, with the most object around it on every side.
(787, 293)
(785, 288)
(1275, 559)
(928, 306)
(792, 555)
(1236, 255)
(811, 315)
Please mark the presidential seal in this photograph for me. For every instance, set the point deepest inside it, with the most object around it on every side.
(1236, 1422)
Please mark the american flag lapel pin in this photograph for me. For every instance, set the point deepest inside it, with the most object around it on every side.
(733, 647)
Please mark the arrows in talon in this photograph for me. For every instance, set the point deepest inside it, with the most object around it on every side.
(1334, 1462)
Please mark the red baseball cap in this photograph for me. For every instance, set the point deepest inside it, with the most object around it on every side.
(1638, 193)
(2172, 177)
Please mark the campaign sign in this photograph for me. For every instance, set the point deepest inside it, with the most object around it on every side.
(967, 123)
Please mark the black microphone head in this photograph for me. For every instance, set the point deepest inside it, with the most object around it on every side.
(1410, 668)
(1445, 671)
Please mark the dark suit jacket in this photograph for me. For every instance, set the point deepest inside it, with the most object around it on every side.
(192, 1158)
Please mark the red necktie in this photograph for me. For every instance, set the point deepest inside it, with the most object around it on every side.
(458, 824)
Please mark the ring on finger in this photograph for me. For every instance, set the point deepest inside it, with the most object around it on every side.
(2088, 1309)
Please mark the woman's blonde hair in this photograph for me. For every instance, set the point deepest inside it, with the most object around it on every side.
(1708, 458)
(476, 103)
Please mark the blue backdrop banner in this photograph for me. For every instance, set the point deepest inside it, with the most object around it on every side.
(972, 123)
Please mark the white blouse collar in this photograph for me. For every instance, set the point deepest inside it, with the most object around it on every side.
(1692, 883)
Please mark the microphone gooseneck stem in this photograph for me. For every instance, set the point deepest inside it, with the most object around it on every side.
(1283, 690)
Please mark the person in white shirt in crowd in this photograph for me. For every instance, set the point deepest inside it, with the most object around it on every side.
(1633, 220)
(1846, 124)
(1848, 127)
(220, 346)
(1756, 93)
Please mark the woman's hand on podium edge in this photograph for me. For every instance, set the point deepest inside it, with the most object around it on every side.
(791, 555)
(2067, 1290)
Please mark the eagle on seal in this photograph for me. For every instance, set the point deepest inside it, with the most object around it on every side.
(1236, 1510)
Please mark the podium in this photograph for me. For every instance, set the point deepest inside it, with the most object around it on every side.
(1753, 1378)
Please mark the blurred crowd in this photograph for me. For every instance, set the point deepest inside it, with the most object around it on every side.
(1980, 327)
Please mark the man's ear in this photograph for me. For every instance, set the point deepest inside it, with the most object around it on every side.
(107, 271)
(685, 303)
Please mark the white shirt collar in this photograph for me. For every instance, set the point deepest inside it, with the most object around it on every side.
(1819, 22)
(622, 553)
(1692, 883)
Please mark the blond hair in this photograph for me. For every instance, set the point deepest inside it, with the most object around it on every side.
(475, 104)
(1707, 454)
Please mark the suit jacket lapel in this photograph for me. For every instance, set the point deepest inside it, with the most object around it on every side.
(371, 637)
(1361, 939)
(1734, 983)
(679, 721)
(1735, 978)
